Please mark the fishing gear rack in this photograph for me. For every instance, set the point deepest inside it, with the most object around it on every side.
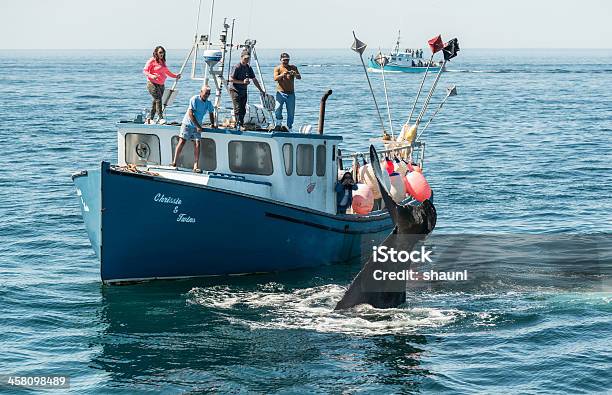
(413, 153)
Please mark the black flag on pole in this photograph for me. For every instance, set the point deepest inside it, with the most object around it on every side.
(358, 46)
(450, 49)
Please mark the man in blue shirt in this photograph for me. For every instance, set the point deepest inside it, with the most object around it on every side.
(240, 77)
(191, 127)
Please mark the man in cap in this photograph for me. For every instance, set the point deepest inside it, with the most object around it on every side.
(285, 75)
(240, 77)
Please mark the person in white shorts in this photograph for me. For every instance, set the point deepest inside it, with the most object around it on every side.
(191, 127)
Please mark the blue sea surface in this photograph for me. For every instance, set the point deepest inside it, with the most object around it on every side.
(524, 149)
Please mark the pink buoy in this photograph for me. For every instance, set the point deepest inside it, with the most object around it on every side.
(363, 199)
(406, 188)
(417, 186)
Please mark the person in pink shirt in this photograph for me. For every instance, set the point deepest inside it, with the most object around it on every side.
(157, 72)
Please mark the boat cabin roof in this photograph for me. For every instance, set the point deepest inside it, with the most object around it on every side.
(252, 133)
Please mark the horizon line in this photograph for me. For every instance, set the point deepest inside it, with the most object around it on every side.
(281, 48)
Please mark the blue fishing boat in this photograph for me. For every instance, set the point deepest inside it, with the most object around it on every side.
(265, 200)
(408, 60)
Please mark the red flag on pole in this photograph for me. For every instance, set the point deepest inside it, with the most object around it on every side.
(436, 44)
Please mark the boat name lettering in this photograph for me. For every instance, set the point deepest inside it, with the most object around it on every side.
(185, 218)
(161, 198)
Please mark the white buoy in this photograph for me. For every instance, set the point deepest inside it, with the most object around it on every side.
(366, 175)
(401, 168)
(398, 190)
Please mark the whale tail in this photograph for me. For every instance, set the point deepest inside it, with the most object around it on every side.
(417, 221)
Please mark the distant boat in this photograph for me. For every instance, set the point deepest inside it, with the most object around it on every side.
(407, 61)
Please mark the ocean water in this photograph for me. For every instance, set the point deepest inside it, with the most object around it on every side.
(522, 153)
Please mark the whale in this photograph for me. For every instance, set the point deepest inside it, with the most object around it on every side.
(412, 224)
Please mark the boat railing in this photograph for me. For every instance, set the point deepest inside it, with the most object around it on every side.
(414, 153)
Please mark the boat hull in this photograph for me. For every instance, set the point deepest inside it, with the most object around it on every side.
(373, 66)
(145, 227)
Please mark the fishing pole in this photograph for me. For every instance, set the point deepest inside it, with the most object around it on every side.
(229, 69)
(449, 51)
(383, 62)
(172, 92)
(431, 91)
(212, 12)
(435, 44)
(451, 91)
(359, 47)
(420, 89)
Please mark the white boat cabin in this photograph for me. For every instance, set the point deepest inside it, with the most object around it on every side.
(294, 168)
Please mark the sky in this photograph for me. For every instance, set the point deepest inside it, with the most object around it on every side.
(140, 24)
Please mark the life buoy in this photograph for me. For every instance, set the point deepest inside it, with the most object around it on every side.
(363, 199)
(398, 189)
(401, 168)
(367, 176)
(417, 186)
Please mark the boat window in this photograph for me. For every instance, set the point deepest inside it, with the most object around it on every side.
(208, 154)
(250, 157)
(304, 160)
(288, 157)
(321, 156)
(142, 149)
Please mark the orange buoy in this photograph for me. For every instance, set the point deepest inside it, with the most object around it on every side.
(417, 186)
(413, 167)
(363, 199)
